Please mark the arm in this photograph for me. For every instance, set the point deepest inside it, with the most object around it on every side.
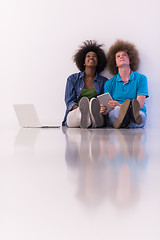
(141, 100)
(111, 103)
(142, 92)
(70, 93)
(108, 87)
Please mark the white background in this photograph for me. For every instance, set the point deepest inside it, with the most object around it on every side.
(39, 37)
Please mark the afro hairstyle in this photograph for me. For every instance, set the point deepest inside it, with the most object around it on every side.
(124, 46)
(90, 46)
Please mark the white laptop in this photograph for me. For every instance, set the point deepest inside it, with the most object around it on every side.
(27, 116)
(104, 99)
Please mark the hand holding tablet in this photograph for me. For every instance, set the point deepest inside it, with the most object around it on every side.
(104, 99)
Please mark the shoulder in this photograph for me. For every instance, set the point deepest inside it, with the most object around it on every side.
(139, 76)
(100, 77)
(111, 80)
(73, 77)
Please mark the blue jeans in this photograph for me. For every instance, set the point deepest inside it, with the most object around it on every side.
(113, 114)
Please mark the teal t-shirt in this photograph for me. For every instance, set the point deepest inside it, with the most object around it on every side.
(89, 93)
(136, 85)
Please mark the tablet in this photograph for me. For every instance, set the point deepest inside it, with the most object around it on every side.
(103, 99)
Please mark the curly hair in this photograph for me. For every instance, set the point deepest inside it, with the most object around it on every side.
(124, 46)
(90, 46)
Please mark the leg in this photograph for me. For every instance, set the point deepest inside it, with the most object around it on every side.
(80, 116)
(123, 119)
(143, 122)
(85, 115)
(74, 118)
(115, 113)
(96, 118)
(112, 115)
(134, 113)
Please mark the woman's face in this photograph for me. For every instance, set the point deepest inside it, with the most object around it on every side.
(122, 59)
(91, 59)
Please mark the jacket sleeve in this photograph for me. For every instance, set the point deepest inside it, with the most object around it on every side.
(70, 93)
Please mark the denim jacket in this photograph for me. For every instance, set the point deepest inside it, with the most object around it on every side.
(74, 86)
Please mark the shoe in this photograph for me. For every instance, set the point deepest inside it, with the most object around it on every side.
(94, 108)
(84, 109)
(123, 119)
(134, 114)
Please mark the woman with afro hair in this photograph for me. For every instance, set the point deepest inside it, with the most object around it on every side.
(127, 88)
(82, 88)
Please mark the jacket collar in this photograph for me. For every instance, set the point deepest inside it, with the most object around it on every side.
(96, 77)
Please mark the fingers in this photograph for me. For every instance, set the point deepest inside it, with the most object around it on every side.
(103, 109)
(113, 103)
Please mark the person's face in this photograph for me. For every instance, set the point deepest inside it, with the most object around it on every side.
(122, 59)
(91, 59)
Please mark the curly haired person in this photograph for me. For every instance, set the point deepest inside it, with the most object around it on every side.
(82, 88)
(127, 88)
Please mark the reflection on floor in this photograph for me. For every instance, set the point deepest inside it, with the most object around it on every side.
(76, 184)
(109, 164)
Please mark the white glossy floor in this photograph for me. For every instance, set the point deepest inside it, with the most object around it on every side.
(73, 184)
